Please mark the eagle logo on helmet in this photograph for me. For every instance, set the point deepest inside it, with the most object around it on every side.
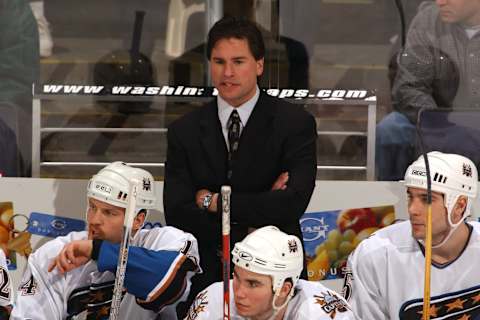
(467, 170)
(147, 185)
(292, 246)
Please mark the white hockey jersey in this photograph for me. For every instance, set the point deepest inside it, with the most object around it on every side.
(313, 301)
(156, 259)
(6, 291)
(385, 278)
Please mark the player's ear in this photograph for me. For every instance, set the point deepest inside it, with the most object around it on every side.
(286, 287)
(459, 208)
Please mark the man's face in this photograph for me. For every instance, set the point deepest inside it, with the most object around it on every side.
(253, 294)
(105, 221)
(234, 70)
(461, 11)
(417, 209)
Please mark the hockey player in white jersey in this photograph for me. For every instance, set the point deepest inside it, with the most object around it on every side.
(6, 292)
(266, 284)
(72, 277)
(386, 271)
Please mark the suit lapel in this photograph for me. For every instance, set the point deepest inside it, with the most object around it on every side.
(255, 134)
(213, 141)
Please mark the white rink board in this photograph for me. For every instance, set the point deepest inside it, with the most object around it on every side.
(67, 198)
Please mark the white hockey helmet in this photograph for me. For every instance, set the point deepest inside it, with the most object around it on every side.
(452, 175)
(272, 252)
(111, 185)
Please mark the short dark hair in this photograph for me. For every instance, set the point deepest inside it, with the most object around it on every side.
(239, 28)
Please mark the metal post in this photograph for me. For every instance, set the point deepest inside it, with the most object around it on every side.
(371, 127)
(36, 136)
(213, 13)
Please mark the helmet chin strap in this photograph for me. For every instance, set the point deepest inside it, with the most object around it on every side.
(276, 309)
(453, 226)
(447, 237)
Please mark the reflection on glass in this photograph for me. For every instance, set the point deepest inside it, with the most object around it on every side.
(19, 63)
(439, 67)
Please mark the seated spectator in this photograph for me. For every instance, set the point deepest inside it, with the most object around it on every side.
(438, 68)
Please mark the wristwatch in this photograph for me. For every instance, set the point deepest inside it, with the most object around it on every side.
(207, 200)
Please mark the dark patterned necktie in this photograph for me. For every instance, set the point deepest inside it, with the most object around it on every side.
(234, 124)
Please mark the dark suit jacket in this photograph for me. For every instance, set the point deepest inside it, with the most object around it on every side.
(278, 137)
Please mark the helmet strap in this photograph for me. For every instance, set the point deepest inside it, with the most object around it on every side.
(276, 309)
(450, 204)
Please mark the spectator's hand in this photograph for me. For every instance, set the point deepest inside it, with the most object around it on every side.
(73, 255)
(200, 196)
(281, 182)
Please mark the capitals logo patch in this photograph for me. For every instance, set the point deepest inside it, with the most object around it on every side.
(331, 304)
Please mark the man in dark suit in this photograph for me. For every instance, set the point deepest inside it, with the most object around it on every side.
(271, 168)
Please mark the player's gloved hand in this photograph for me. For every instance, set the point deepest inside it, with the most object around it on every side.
(73, 255)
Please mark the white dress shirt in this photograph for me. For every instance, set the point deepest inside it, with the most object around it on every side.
(244, 111)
